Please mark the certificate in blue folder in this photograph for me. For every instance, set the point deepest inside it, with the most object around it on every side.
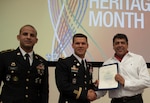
(107, 76)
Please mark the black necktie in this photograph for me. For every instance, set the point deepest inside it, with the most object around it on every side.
(27, 59)
(83, 63)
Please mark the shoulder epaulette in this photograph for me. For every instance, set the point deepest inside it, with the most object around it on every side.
(8, 50)
(40, 56)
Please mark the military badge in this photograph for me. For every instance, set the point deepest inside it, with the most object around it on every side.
(12, 69)
(15, 78)
(90, 69)
(8, 77)
(74, 81)
(40, 69)
(36, 57)
(38, 80)
(18, 53)
(13, 64)
(74, 69)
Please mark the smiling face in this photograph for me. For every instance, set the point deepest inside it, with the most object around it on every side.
(80, 46)
(27, 38)
(120, 46)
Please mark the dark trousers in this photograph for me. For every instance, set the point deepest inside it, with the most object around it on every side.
(132, 99)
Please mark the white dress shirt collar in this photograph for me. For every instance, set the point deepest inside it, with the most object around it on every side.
(23, 53)
(78, 58)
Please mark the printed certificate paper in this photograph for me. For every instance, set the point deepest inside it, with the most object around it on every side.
(107, 76)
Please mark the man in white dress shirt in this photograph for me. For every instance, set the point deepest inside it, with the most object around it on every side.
(133, 75)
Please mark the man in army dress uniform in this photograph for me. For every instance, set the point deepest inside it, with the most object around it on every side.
(24, 82)
(74, 78)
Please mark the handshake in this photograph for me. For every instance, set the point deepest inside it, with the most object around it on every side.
(91, 95)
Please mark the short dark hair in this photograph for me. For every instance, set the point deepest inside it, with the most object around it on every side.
(120, 36)
(26, 26)
(79, 35)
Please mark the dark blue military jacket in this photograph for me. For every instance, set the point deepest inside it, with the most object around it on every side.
(23, 83)
(73, 80)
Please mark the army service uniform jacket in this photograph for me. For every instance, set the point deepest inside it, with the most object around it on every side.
(73, 80)
(22, 83)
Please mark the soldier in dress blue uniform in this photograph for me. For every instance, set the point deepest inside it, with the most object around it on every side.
(23, 83)
(74, 78)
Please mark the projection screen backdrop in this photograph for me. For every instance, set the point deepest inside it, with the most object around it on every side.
(58, 20)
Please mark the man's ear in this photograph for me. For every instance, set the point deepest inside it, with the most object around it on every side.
(36, 40)
(18, 38)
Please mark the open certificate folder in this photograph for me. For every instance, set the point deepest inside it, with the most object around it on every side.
(107, 76)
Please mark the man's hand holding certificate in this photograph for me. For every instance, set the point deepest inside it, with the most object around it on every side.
(107, 76)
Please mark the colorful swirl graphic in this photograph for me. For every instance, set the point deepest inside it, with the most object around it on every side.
(66, 17)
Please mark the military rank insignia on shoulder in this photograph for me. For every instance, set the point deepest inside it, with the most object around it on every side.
(8, 50)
